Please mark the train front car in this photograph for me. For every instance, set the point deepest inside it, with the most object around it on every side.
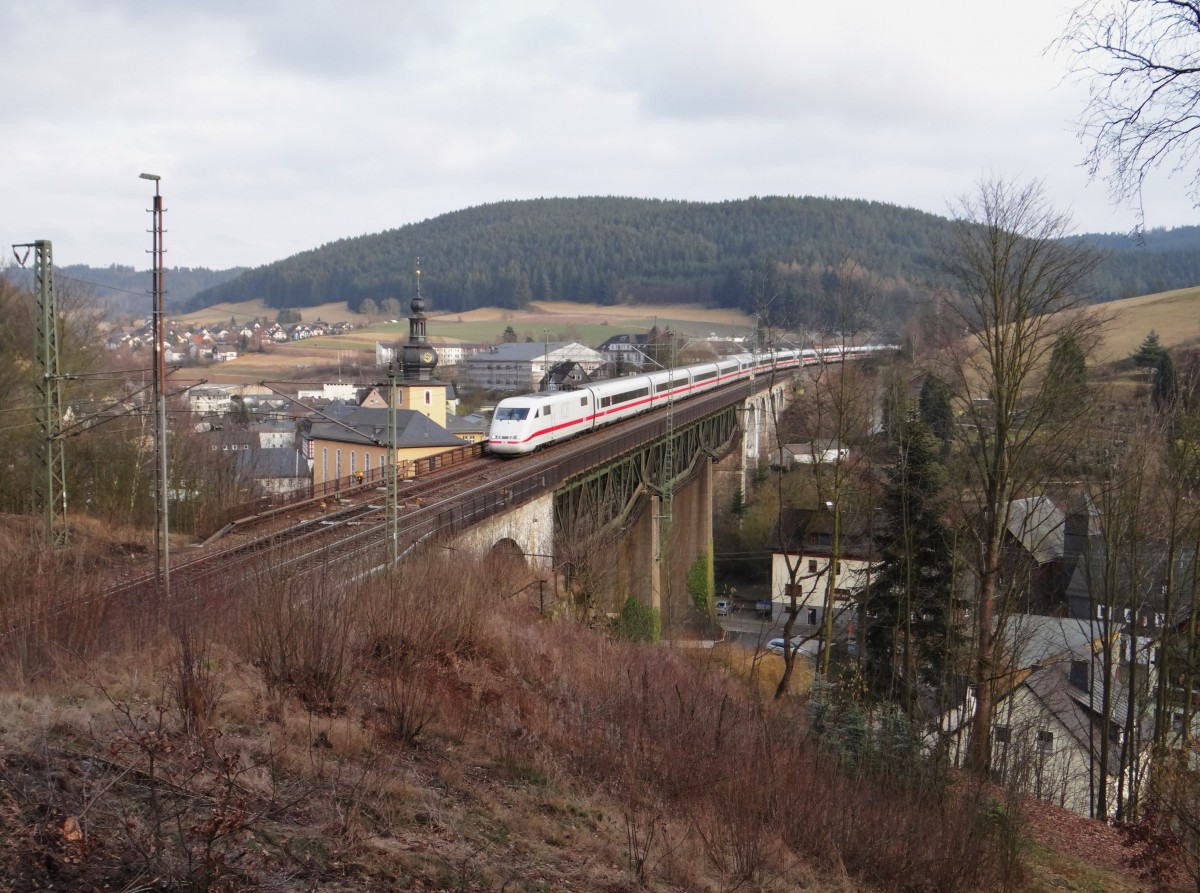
(512, 426)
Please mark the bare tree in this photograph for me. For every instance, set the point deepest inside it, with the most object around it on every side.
(836, 407)
(1118, 575)
(1142, 59)
(1019, 284)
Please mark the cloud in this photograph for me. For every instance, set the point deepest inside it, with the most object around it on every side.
(278, 126)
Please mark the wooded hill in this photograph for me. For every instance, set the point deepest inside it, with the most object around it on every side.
(617, 250)
(120, 289)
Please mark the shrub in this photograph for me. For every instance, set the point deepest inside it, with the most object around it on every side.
(639, 622)
(700, 582)
(299, 632)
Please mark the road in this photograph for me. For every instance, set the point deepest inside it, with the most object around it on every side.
(752, 630)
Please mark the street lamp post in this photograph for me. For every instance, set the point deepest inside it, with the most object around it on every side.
(162, 528)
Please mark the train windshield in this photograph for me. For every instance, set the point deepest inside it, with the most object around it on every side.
(511, 413)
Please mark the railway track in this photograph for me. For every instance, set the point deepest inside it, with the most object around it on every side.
(352, 530)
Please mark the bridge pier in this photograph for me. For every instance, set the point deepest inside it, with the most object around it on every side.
(760, 413)
(672, 545)
(605, 531)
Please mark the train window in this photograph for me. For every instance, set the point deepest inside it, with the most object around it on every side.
(631, 395)
(705, 376)
(512, 413)
(583, 401)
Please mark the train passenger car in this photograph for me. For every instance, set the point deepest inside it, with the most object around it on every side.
(704, 377)
(621, 398)
(522, 424)
(729, 370)
(670, 386)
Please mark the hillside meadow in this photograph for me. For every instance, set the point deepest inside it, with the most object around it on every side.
(558, 321)
(1174, 315)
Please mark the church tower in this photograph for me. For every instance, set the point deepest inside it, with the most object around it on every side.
(419, 358)
(417, 389)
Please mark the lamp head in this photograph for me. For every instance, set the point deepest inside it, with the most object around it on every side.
(150, 176)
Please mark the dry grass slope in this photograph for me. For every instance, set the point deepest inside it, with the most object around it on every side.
(429, 730)
(1174, 315)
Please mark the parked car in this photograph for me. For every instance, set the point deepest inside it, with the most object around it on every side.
(764, 607)
(725, 606)
(775, 646)
(810, 648)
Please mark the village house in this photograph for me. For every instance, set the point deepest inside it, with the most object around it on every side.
(274, 471)
(817, 452)
(522, 366)
(358, 443)
(802, 560)
(1048, 724)
(209, 399)
(627, 351)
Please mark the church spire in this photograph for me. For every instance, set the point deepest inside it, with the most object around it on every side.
(419, 357)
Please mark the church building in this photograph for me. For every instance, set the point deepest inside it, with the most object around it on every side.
(358, 442)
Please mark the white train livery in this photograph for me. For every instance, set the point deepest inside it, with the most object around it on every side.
(524, 424)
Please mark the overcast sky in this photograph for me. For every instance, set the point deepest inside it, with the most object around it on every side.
(280, 125)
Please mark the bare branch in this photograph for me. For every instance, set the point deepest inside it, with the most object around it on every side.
(1141, 59)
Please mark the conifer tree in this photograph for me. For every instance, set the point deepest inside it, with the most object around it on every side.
(1164, 388)
(1068, 365)
(739, 507)
(1149, 352)
(911, 633)
(935, 409)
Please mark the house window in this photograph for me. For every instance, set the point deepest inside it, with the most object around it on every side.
(338, 463)
(324, 463)
(812, 565)
(353, 460)
(1001, 734)
(429, 398)
(1045, 742)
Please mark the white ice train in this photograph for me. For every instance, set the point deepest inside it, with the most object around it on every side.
(524, 424)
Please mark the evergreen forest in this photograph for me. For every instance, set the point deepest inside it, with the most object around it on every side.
(738, 254)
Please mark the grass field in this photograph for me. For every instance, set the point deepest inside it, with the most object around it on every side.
(1174, 315)
(585, 323)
